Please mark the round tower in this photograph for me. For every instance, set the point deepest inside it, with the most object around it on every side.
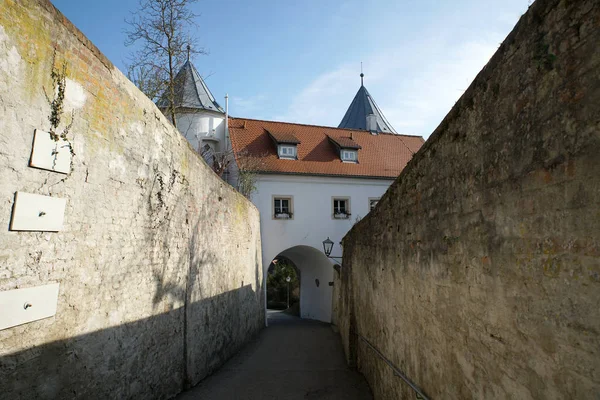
(200, 119)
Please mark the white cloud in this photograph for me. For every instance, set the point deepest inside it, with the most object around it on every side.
(324, 99)
(243, 106)
(415, 87)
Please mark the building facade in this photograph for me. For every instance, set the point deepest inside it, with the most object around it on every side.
(313, 183)
(309, 182)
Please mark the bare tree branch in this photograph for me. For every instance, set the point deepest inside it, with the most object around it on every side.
(161, 30)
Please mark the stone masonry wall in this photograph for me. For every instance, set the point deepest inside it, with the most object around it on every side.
(478, 274)
(159, 261)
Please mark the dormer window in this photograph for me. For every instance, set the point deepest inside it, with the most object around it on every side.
(287, 144)
(347, 148)
(349, 155)
(287, 151)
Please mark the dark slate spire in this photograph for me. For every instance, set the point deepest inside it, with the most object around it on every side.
(190, 91)
(362, 106)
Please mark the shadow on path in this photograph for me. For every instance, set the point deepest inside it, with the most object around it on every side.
(291, 359)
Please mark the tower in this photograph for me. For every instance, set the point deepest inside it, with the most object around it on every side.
(364, 114)
(200, 119)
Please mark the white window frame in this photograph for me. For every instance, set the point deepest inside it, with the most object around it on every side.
(282, 215)
(338, 215)
(371, 199)
(349, 155)
(287, 151)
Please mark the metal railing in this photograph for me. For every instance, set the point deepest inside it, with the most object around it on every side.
(397, 372)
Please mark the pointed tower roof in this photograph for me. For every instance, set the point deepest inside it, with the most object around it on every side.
(362, 106)
(191, 91)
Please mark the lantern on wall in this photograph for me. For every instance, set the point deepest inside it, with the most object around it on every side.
(327, 246)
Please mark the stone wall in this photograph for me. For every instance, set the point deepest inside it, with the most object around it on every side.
(478, 274)
(159, 261)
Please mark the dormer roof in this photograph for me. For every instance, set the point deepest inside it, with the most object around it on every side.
(191, 92)
(362, 106)
(283, 137)
(344, 142)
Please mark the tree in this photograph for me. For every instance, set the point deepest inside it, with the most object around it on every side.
(162, 29)
(219, 161)
(248, 168)
(277, 284)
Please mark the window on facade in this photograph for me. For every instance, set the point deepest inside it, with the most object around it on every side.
(373, 203)
(282, 207)
(287, 152)
(349, 155)
(341, 208)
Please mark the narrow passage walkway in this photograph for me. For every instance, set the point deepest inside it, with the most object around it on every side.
(291, 359)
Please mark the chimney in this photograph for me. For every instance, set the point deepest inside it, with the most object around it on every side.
(372, 124)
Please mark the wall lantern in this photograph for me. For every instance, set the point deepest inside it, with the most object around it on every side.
(327, 247)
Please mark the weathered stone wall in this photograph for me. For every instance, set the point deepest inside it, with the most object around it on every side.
(159, 261)
(478, 274)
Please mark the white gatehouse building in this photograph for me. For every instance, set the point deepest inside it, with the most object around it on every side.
(312, 182)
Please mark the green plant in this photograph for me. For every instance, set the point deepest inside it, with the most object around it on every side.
(59, 85)
(277, 284)
(543, 57)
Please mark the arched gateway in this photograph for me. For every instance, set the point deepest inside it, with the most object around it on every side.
(316, 277)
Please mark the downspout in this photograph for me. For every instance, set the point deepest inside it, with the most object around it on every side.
(226, 122)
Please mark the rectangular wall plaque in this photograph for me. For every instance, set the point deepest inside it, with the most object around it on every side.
(50, 154)
(34, 212)
(20, 306)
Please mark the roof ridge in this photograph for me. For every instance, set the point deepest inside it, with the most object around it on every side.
(193, 80)
(322, 126)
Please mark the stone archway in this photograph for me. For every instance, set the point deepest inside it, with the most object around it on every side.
(316, 276)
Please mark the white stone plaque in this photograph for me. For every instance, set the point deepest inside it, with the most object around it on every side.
(20, 306)
(50, 154)
(34, 212)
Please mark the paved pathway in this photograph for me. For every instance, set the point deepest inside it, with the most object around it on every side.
(291, 359)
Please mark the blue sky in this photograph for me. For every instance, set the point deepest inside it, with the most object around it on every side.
(299, 61)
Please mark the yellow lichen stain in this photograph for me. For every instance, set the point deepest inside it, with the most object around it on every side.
(184, 163)
(550, 246)
(522, 230)
(241, 209)
(551, 267)
(27, 31)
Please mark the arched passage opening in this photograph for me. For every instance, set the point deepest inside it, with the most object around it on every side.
(315, 272)
(283, 286)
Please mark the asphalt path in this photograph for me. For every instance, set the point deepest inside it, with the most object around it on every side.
(291, 359)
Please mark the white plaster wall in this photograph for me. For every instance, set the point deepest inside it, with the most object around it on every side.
(311, 224)
(194, 126)
(315, 301)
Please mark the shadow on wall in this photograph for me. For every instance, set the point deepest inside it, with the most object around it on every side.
(133, 360)
(213, 330)
(191, 333)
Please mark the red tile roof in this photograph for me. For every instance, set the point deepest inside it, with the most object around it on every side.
(381, 156)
